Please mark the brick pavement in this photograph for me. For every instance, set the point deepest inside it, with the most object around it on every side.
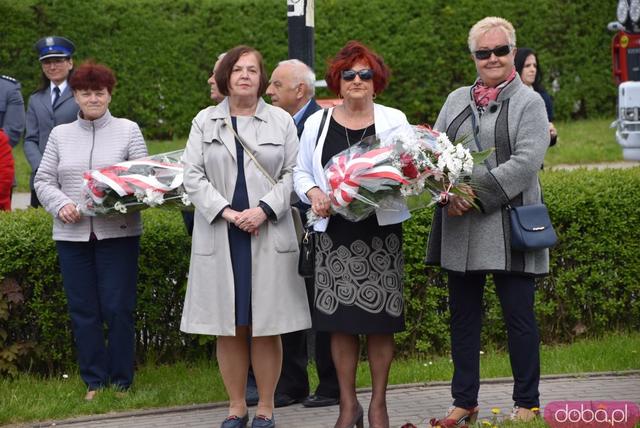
(406, 403)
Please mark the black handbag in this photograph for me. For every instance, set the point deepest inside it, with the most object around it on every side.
(306, 260)
(307, 256)
(531, 228)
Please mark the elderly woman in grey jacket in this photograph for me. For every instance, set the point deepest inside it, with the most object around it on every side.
(500, 113)
(243, 284)
(98, 255)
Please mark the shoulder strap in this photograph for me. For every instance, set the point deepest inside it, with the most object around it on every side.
(324, 119)
(475, 139)
(248, 152)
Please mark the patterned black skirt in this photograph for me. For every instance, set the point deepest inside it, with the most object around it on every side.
(358, 278)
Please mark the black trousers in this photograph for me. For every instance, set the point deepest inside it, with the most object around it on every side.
(35, 202)
(516, 294)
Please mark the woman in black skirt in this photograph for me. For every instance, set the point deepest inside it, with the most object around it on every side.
(359, 265)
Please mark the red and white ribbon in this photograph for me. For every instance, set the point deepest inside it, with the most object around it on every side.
(348, 173)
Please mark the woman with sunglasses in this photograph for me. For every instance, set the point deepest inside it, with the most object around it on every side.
(468, 244)
(358, 275)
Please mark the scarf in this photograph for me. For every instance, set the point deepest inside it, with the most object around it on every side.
(483, 94)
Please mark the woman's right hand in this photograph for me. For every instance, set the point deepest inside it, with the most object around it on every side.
(69, 214)
(320, 202)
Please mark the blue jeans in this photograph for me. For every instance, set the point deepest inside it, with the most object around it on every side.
(100, 279)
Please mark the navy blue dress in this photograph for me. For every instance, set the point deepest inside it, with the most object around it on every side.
(240, 243)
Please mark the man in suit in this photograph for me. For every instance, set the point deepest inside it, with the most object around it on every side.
(292, 88)
(11, 128)
(51, 105)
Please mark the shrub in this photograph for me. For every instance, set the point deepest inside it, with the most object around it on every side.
(593, 287)
(162, 51)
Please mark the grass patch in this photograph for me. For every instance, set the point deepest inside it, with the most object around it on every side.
(31, 398)
(584, 141)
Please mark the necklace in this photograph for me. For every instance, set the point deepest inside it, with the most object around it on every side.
(346, 134)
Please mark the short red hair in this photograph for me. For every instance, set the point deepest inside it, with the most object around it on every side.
(91, 75)
(353, 52)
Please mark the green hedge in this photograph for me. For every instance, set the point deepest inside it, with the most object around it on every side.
(593, 287)
(162, 50)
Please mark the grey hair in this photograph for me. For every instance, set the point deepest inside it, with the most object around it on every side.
(306, 76)
(487, 24)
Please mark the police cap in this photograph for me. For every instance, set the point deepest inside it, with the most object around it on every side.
(54, 47)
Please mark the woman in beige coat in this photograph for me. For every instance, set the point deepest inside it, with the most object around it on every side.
(243, 281)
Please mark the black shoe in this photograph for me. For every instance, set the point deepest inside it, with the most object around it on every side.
(261, 421)
(283, 400)
(235, 422)
(320, 401)
(251, 395)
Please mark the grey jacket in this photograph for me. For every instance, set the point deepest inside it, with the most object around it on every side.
(41, 118)
(516, 127)
(11, 109)
(74, 148)
(278, 296)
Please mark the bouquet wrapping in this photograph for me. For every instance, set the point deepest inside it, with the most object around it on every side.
(135, 185)
(409, 165)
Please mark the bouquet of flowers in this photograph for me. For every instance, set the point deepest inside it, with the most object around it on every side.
(135, 185)
(407, 165)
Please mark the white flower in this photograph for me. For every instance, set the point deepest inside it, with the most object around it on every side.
(153, 198)
(185, 200)
(119, 206)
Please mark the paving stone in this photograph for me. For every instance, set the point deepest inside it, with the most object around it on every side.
(410, 403)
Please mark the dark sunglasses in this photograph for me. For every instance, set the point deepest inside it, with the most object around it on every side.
(365, 74)
(499, 51)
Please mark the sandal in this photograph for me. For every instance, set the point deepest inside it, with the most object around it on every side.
(522, 414)
(469, 417)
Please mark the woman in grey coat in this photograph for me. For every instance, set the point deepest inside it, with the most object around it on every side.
(243, 283)
(468, 244)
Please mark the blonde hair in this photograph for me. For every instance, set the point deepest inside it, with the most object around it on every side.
(487, 24)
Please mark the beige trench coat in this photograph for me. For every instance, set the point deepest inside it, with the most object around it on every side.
(278, 296)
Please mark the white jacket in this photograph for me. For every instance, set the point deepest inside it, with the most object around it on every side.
(309, 171)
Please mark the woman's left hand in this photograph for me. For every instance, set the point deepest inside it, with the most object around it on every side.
(250, 220)
(69, 214)
(457, 205)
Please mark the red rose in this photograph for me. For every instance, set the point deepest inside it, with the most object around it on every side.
(409, 170)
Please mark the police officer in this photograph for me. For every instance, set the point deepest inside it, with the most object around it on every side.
(11, 127)
(52, 104)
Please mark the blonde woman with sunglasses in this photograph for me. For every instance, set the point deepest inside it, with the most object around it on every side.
(500, 113)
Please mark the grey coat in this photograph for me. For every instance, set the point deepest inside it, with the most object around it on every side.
(42, 118)
(11, 109)
(278, 296)
(516, 127)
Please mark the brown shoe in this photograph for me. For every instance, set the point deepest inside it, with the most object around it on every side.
(91, 394)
